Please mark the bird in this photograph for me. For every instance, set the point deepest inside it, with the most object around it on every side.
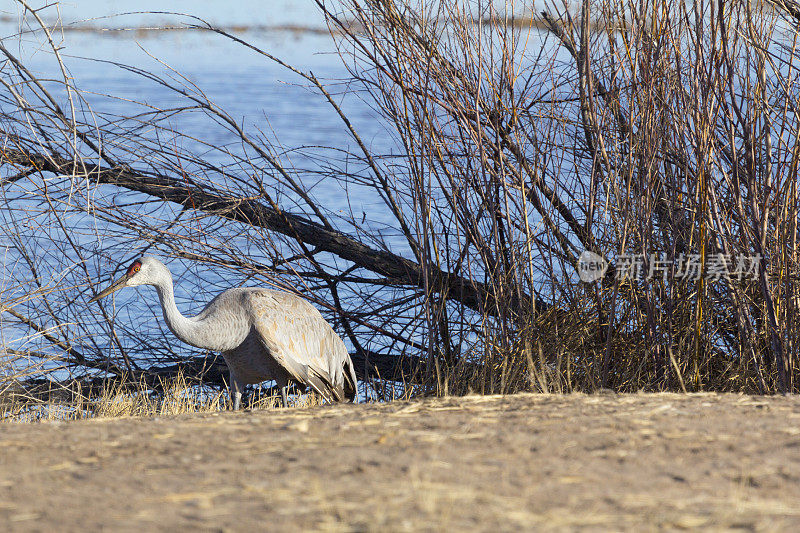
(262, 334)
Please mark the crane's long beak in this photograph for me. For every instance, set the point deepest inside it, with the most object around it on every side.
(111, 288)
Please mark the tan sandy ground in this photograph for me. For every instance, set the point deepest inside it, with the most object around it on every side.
(521, 462)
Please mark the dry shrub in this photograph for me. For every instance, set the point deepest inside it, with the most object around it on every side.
(660, 129)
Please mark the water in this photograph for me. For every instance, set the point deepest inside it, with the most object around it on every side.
(260, 95)
(257, 93)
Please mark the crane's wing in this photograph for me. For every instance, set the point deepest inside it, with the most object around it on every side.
(303, 343)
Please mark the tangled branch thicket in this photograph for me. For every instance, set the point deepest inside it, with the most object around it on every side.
(665, 129)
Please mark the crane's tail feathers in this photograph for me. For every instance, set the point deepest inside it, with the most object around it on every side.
(350, 382)
(322, 385)
(305, 375)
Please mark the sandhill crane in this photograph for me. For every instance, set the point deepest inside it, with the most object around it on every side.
(262, 334)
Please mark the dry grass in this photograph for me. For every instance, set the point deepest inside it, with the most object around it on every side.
(121, 400)
(177, 397)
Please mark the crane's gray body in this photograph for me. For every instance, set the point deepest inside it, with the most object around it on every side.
(281, 337)
(263, 335)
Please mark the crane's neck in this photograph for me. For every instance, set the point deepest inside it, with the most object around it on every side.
(186, 329)
(220, 330)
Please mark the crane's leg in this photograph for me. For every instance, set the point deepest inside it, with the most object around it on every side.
(285, 395)
(283, 384)
(236, 392)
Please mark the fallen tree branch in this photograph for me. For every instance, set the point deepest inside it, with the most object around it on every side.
(470, 293)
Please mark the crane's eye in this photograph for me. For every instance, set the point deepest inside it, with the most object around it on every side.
(134, 268)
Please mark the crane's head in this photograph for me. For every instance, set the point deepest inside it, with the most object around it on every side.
(143, 271)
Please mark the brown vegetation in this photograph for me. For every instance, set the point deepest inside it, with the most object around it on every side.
(658, 128)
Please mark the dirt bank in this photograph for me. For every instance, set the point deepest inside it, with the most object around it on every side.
(477, 463)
